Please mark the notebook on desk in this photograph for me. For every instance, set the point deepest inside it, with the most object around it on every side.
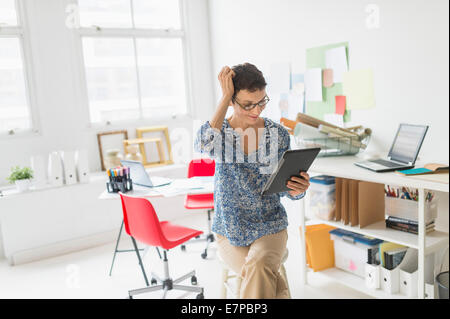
(403, 152)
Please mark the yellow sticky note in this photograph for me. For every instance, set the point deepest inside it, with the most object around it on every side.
(358, 88)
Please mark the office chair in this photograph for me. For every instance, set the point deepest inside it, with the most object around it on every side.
(142, 224)
(201, 167)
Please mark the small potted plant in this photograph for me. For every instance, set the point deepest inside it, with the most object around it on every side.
(21, 177)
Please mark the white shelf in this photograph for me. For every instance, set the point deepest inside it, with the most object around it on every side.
(434, 240)
(344, 167)
(355, 282)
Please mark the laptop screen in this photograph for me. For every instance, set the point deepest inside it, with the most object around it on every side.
(407, 143)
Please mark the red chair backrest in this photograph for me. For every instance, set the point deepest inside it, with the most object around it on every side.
(201, 167)
(141, 221)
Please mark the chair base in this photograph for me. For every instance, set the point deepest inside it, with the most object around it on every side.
(169, 284)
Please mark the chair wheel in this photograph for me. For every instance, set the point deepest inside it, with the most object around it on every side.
(210, 238)
(130, 297)
(204, 255)
(183, 248)
(153, 282)
(194, 280)
(200, 296)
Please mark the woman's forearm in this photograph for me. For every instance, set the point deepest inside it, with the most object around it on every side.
(218, 117)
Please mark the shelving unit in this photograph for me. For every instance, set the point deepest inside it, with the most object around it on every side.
(355, 282)
(343, 167)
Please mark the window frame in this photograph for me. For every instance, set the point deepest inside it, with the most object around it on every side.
(133, 33)
(20, 32)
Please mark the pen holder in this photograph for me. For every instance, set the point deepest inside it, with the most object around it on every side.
(123, 186)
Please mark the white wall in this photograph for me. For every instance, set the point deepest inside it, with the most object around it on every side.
(408, 53)
(61, 106)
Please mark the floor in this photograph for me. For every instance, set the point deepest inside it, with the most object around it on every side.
(84, 274)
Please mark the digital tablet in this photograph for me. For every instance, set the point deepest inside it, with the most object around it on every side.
(290, 164)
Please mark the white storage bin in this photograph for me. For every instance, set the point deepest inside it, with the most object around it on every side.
(409, 209)
(390, 280)
(322, 196)
(373, 276)
(350, 250)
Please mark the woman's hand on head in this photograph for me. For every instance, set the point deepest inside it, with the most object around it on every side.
(226, 82)
(298, 184)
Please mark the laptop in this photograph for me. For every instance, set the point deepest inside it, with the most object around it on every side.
(403, 152)
(139, 175)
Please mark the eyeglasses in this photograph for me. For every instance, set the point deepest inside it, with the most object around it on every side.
(261, 104)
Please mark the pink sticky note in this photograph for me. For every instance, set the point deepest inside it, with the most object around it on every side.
(340, 104)
(327, 78)
(352, 266)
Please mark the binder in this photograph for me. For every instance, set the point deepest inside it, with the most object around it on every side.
(68, 158)
(55, 169)
(344, 198)
(353, 202)
(82, 166)
(39, 171)
(338, 199)
(370, 203)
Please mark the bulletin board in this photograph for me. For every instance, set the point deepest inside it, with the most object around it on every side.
(315, 58)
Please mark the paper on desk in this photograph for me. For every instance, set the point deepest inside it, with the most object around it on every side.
(198, 184)
(313, 84)
(336, 59)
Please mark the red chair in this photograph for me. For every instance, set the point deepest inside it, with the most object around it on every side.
(201, 167)
(142, 224)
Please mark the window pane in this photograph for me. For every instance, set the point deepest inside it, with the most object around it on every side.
(111, 79)
(161, 74)
(105, 13)
(156, 14)
(14, 111)
(8, 14)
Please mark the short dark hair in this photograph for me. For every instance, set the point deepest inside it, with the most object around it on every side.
(247, 77)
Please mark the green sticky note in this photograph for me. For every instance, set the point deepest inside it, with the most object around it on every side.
(358, 88)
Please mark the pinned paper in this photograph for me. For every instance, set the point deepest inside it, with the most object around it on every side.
(327, 77)
(336, 59)
(340, 104)
(284, 105)
(358, 88)
(313, 85)
(298, 83)
(280, 77)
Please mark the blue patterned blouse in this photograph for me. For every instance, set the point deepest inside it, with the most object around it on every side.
(242, 214)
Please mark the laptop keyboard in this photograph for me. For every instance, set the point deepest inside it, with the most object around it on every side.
(385, 163)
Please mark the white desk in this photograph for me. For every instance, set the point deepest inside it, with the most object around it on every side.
(342, 166)
(169, 190)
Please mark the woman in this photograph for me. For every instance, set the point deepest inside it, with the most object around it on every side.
(251, 229)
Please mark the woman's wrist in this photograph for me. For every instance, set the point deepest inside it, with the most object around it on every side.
(225, 101)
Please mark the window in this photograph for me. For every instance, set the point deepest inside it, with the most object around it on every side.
(134, 57)
(15, 115)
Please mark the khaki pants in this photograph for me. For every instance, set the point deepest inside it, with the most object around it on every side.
(258, 265)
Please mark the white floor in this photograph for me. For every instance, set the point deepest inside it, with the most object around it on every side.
(84, 274)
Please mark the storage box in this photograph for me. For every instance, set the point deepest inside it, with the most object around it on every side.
(373, 276)
(351, 250)
(390, 280)
(322, 196)
(409, 209)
